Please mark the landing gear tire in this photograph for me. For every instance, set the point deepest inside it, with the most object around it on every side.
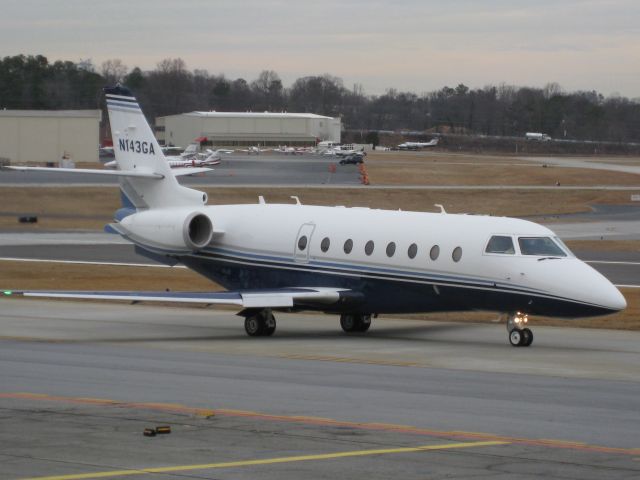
(515, 337)
(253, 326)
(269, 324)
(365, 323)
(262, 324)
(355, 323)
(519, 336)
(348, 323)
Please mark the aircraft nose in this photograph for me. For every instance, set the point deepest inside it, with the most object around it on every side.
(614, 299)
(575, 280)
(599, 290)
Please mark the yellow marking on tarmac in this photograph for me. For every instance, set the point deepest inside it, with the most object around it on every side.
(567, 442)
(366, 361)
(268, 461)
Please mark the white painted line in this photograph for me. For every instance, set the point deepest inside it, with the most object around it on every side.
(627, 286)
(611, 262)
(82, 262)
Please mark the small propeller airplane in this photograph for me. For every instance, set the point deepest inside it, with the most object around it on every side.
(418, 145)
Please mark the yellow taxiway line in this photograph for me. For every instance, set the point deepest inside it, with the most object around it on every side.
(267, 461)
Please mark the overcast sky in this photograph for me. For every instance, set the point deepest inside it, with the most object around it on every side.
(408, 45)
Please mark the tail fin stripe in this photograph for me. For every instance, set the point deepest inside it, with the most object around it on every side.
(120, 97)
(124, 108)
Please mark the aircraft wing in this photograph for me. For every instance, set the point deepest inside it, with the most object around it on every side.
(268, 298)
(181, 171)
(112, 173)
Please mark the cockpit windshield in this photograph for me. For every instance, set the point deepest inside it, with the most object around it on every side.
(542, 246)
(500, 244)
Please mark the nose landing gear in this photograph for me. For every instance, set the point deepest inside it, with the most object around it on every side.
(519, 334)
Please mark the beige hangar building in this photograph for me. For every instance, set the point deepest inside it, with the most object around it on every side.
(47, 135)
(247, 128)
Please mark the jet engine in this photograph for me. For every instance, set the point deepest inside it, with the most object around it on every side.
(169, 229)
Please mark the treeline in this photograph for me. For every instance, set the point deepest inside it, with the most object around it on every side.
(32, 82)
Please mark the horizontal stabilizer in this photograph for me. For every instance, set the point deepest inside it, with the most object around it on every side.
(273, 298)
(112, 173)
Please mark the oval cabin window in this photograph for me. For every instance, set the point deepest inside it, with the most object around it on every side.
(348, 246)
(434, 252)
(302, 242)
(457, 254)
(391, 249)
(324, 245)
(413, 250)
(368, 248)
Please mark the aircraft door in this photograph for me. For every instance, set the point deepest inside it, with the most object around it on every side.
(303, 243)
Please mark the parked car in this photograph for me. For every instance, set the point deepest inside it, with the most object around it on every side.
(351, 160)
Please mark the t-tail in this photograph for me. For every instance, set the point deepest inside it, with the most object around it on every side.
(137, 151)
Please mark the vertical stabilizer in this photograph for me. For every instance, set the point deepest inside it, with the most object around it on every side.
(136, 149)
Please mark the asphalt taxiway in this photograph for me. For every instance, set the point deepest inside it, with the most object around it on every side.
(81, 381)
(235, 169)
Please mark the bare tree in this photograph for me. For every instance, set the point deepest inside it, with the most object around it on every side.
(113, 71)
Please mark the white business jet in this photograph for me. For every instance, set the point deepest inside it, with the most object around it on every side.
(354, 262)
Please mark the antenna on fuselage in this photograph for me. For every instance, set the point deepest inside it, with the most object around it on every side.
(441, 207)
(295, 197)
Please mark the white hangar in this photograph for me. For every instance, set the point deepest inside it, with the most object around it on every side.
(47, 135)
(247, 128)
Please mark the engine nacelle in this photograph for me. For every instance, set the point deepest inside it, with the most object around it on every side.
(170, 229)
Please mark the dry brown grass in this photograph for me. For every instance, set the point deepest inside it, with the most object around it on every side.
(45, 276)
(604, 245)
(426, 168)
(58, 276)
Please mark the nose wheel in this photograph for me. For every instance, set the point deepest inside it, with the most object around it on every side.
(519, 334)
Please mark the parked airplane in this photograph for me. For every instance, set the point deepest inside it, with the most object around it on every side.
(207, 159)
(293, 150)
(418, 145)
(192, 152)
(355, 262)
(257, 150)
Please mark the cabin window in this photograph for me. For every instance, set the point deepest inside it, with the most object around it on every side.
(457, 254)
(413, 250)
(324, 245)
(500, 244)
(368, 248)
(434, 252)
(391, 249)
(348, 246)
(540, 246)
(302, 242)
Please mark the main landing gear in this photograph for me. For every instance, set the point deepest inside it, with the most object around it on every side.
(260, 324)
(519, 334)
(355, 323)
